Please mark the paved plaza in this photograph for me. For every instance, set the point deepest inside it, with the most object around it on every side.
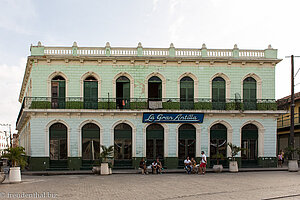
(243, 185)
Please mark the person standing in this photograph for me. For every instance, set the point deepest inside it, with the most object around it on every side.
(203, 163)
(280, 159)
(282, 155)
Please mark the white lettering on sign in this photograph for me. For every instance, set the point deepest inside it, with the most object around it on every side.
(174, 118)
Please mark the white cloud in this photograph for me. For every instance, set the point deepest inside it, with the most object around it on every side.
(11, 77)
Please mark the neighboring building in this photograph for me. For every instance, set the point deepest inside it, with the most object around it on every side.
(284, 122)
(15, 140)
(4, 141)
(147, 102)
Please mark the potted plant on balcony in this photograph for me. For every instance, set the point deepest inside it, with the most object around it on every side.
(292, 163)
(233, 165)
(106, 155)
(218, 168)
(16, 156)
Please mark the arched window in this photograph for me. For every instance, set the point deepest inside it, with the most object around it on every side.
(218, 143)
(154, 89)
(90, 143)
(123, 146)
(250, 145)
(58, 145)
(123, 92)
(90, 90)
(186, 93)
(58, 92)
(249, 93)
(218, 93)
(186, 141)
(154, 142)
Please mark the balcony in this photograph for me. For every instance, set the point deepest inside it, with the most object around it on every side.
(144, 103)
(285, 120)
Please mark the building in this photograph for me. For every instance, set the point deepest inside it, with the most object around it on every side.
(284, 123)
(4, 141)
(15, 140)
(147, 102)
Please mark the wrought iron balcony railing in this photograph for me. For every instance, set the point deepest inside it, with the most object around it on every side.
(144, 103)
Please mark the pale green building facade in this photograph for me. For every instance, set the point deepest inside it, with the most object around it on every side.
(75, 99)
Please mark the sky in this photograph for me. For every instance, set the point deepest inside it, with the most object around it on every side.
(251, 24)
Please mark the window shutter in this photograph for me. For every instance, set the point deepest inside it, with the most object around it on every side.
(126, 90)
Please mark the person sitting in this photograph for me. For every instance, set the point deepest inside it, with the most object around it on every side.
(194, 165)
(159, 166)
(188, 165)
(154, 167)
(143, 166)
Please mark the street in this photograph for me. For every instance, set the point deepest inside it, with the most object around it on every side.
(243, 185)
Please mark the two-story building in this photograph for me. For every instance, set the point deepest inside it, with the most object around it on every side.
(284, 123)
(148, 102)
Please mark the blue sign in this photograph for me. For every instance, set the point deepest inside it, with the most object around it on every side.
(173, 117)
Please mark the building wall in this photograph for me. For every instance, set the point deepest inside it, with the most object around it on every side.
(74, 72)
(40, 133)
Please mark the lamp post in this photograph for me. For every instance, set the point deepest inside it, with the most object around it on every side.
(9, 128)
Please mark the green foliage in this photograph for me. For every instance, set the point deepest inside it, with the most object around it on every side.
(171, 105)
(138, 105)
(107, 152)
(16, 155)
(218, 156)
(290, 152)
(298, 151)
(106, 105)
(40, 105)
(74, 105)
(230, 106)
(266, 106)
(234, 150)
(203, 106)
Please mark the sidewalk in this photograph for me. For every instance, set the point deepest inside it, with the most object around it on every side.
(136, 171)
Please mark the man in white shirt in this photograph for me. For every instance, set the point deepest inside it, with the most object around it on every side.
(154, 167)
(188, 165)
(203, 163)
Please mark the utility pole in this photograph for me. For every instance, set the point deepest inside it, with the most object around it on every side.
(292, 134)
(292, 105)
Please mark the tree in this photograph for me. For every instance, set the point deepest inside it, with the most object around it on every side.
(107, 152)
(234, 150)
(16, 155)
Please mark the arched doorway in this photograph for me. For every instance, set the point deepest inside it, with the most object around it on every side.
(90, 135)
(123, 146)
(58, 92)
(218, 144)
(249, 93)
(250, 144)
(90, 93)
(123, 92)
(186, 93)
(218, 93)
(58, 150)
(154, 142)
(186, 142)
